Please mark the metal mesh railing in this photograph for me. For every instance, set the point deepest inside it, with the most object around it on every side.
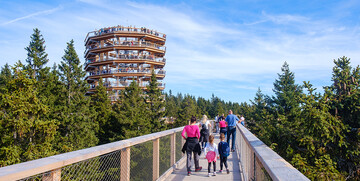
(104, 167)
(38, 177)
(178, 146)
(141, 161)
(164, 154)
(133, 159)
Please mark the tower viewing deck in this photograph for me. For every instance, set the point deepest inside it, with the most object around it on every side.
(121, 55)
(155, 156)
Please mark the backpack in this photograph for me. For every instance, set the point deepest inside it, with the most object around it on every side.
(203, 129)
(225, 149)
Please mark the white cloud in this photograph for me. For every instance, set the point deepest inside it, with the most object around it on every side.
(45, 12)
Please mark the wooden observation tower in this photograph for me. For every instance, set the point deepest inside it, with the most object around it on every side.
(120, 55)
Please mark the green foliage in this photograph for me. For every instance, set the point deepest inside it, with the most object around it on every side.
(5, 77)
(155, 105)
(36, 55)
(315, 132)
(287, 93)
(187, 109)
(101, 106)
(171, 106)
(344, 99)
(26, 132)
(77, 127)
(130, 118)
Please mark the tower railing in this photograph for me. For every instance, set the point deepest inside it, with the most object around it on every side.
(259, 162)
(122, 29)
(128, 57)
(141, 158)
(134, 44)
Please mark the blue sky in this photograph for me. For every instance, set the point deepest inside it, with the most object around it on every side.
(225, 48)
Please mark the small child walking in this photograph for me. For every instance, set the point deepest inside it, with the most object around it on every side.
(211, 152)
(224, 152)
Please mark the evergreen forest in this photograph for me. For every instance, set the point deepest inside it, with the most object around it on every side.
(45, 111)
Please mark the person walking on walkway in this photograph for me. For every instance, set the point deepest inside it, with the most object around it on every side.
(224, 152)
(217, 123)
(223, 126)
(221, 117)
(204, 133)
(211, 152)
(242, 120)
(192, 144)
(231, 120)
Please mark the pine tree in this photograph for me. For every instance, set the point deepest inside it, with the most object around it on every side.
(187, 109)
(218, 107)
(171, 107)
(71, 73)
(287, 92)
(101, 106)
(260, 121)
(320, 137)
(285, 107)
(202, 105)
(36, 55)
(344, 99)
(130, 115)
(26, 132)
(5, 76)
(77, 127)
(155, 105)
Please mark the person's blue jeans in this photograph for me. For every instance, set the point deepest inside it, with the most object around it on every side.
(231, 132)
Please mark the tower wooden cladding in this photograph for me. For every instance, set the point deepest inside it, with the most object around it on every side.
(120, 55)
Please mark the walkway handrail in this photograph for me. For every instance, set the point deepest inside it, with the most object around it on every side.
(51, 167)
(258, 161)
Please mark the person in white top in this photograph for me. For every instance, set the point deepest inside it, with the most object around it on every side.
(212, 153)
(204, 132)
(217, 124)
(242, 120)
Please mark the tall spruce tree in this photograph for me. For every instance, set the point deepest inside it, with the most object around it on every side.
(26, 132)
(202, 105)
(36, 55)
(320, 137)
(77, 127)
(5, 76)
(218, 107)
(187, 109)
(287, 92)
(285, 106)
(260, 121)
(101, 106)
(344, 99)
(171, 107)
(155, 105)
(130, 115)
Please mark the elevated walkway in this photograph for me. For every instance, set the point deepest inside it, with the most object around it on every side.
(155, 156)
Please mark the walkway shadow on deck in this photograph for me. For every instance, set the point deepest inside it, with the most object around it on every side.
(233, 164)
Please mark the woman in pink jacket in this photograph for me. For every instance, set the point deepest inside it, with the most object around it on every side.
(192, 144)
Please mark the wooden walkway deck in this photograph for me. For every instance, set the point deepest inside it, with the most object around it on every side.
(233, 165)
